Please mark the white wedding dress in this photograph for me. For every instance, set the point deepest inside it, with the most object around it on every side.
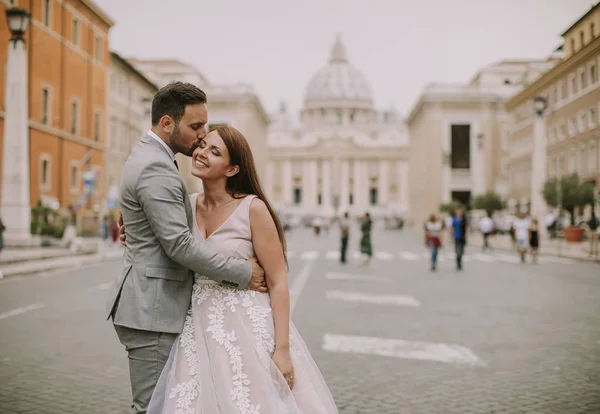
(221, 363)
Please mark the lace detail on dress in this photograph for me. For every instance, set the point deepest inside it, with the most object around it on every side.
(223, 298)
(187, 393)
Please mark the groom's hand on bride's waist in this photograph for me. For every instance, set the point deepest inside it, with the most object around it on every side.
(121, 229)
(258, 281)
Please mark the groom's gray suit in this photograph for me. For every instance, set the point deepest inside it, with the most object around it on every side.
(151, 295)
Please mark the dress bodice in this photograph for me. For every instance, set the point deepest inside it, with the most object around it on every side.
(233, 237)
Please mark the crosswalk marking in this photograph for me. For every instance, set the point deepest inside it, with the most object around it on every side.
(333, 255)
(19, 311)
(384, 256)
(309, 255)
(398, 300)
(398, 348)
(446, 256)
(366, 278)
(409, 256)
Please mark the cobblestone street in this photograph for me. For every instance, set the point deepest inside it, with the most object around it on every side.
(391, 337)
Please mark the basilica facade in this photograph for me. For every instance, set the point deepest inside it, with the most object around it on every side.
(343, 155)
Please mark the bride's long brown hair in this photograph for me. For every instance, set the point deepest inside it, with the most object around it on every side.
(246, 181)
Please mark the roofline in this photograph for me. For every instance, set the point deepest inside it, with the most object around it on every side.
(594, 7)
(136, 72)
(99, 12)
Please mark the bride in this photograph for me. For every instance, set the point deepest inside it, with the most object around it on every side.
(238, 352)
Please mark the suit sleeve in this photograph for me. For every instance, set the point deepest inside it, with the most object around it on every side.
(163, 200)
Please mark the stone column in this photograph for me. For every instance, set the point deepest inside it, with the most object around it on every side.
(538, 172)
(402, 171)
(383, 183)
(344, 184)
(478, 176)
(287, 183)
(313, 183)
(269, 181)
(358, 187)
(326, 180)
(446, 155)
(306, 177)
(16, 206)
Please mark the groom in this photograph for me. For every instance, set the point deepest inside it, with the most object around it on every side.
(152, 293)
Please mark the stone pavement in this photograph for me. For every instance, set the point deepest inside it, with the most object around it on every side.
(392, 337)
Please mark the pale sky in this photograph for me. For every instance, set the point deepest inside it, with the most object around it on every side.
(400, 45)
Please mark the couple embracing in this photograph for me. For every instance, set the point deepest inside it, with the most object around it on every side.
(202, 303)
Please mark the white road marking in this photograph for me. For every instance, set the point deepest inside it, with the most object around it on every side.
(333, 255)
(365, 278)
(309, 255)
(398, 300)
(384, 256)
(398, 348)
(19, 311)
(409, 256)
(556, 260)
(103, 286)
(484, 258)
(298, 283)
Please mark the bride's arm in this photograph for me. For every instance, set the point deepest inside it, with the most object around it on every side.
(270, 256)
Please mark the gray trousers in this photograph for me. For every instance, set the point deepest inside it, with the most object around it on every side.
(148, 353)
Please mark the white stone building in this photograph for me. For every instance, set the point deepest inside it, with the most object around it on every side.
(460, 136)
(344, 155)
(236, 105)
(129, 97)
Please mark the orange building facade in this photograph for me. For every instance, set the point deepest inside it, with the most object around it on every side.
(68, 64)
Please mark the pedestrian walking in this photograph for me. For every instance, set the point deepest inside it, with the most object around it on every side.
(534, 240)
(2, 229)
(593, 234)
(366, 248)
(486, 226)
(344, 236)
(460, 229)
(433, 238)
(522, 235)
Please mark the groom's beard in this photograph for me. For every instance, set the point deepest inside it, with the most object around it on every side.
(178, 144)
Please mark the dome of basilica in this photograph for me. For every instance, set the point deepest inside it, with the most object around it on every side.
(338, 81)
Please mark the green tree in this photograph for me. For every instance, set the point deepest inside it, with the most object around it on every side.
(451, 207)
(489, 202)
(571, 194)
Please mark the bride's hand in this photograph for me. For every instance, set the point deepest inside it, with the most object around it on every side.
(283, 360)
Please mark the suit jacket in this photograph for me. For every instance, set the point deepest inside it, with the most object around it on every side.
(152, 292)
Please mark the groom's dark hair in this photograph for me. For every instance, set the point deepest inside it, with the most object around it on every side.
(173, 98)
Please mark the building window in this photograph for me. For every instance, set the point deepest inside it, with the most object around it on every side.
(572, 127)
(75, 33)
(45, 172)
(74, 116)
(572, 85)
(460, 137)
(554, 167)
(581, 80)
(563, 132)
(573, 161)
(45, 105)
(561, 165)
(373, 196)
(592, 118)
(572, 45)
(73, 177)
(582, 122)
(581, 169)
(592, 30)
(99, 49)
(297, 196)
(582, 38)
(320, 199)
(351, 199)
(592, 157)
(46, 13)
(593, 74)
(97, 125)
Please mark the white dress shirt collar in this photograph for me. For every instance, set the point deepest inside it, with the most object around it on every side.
(164, 144)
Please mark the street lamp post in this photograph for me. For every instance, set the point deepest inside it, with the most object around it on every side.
(16, 206)
(538, 161)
